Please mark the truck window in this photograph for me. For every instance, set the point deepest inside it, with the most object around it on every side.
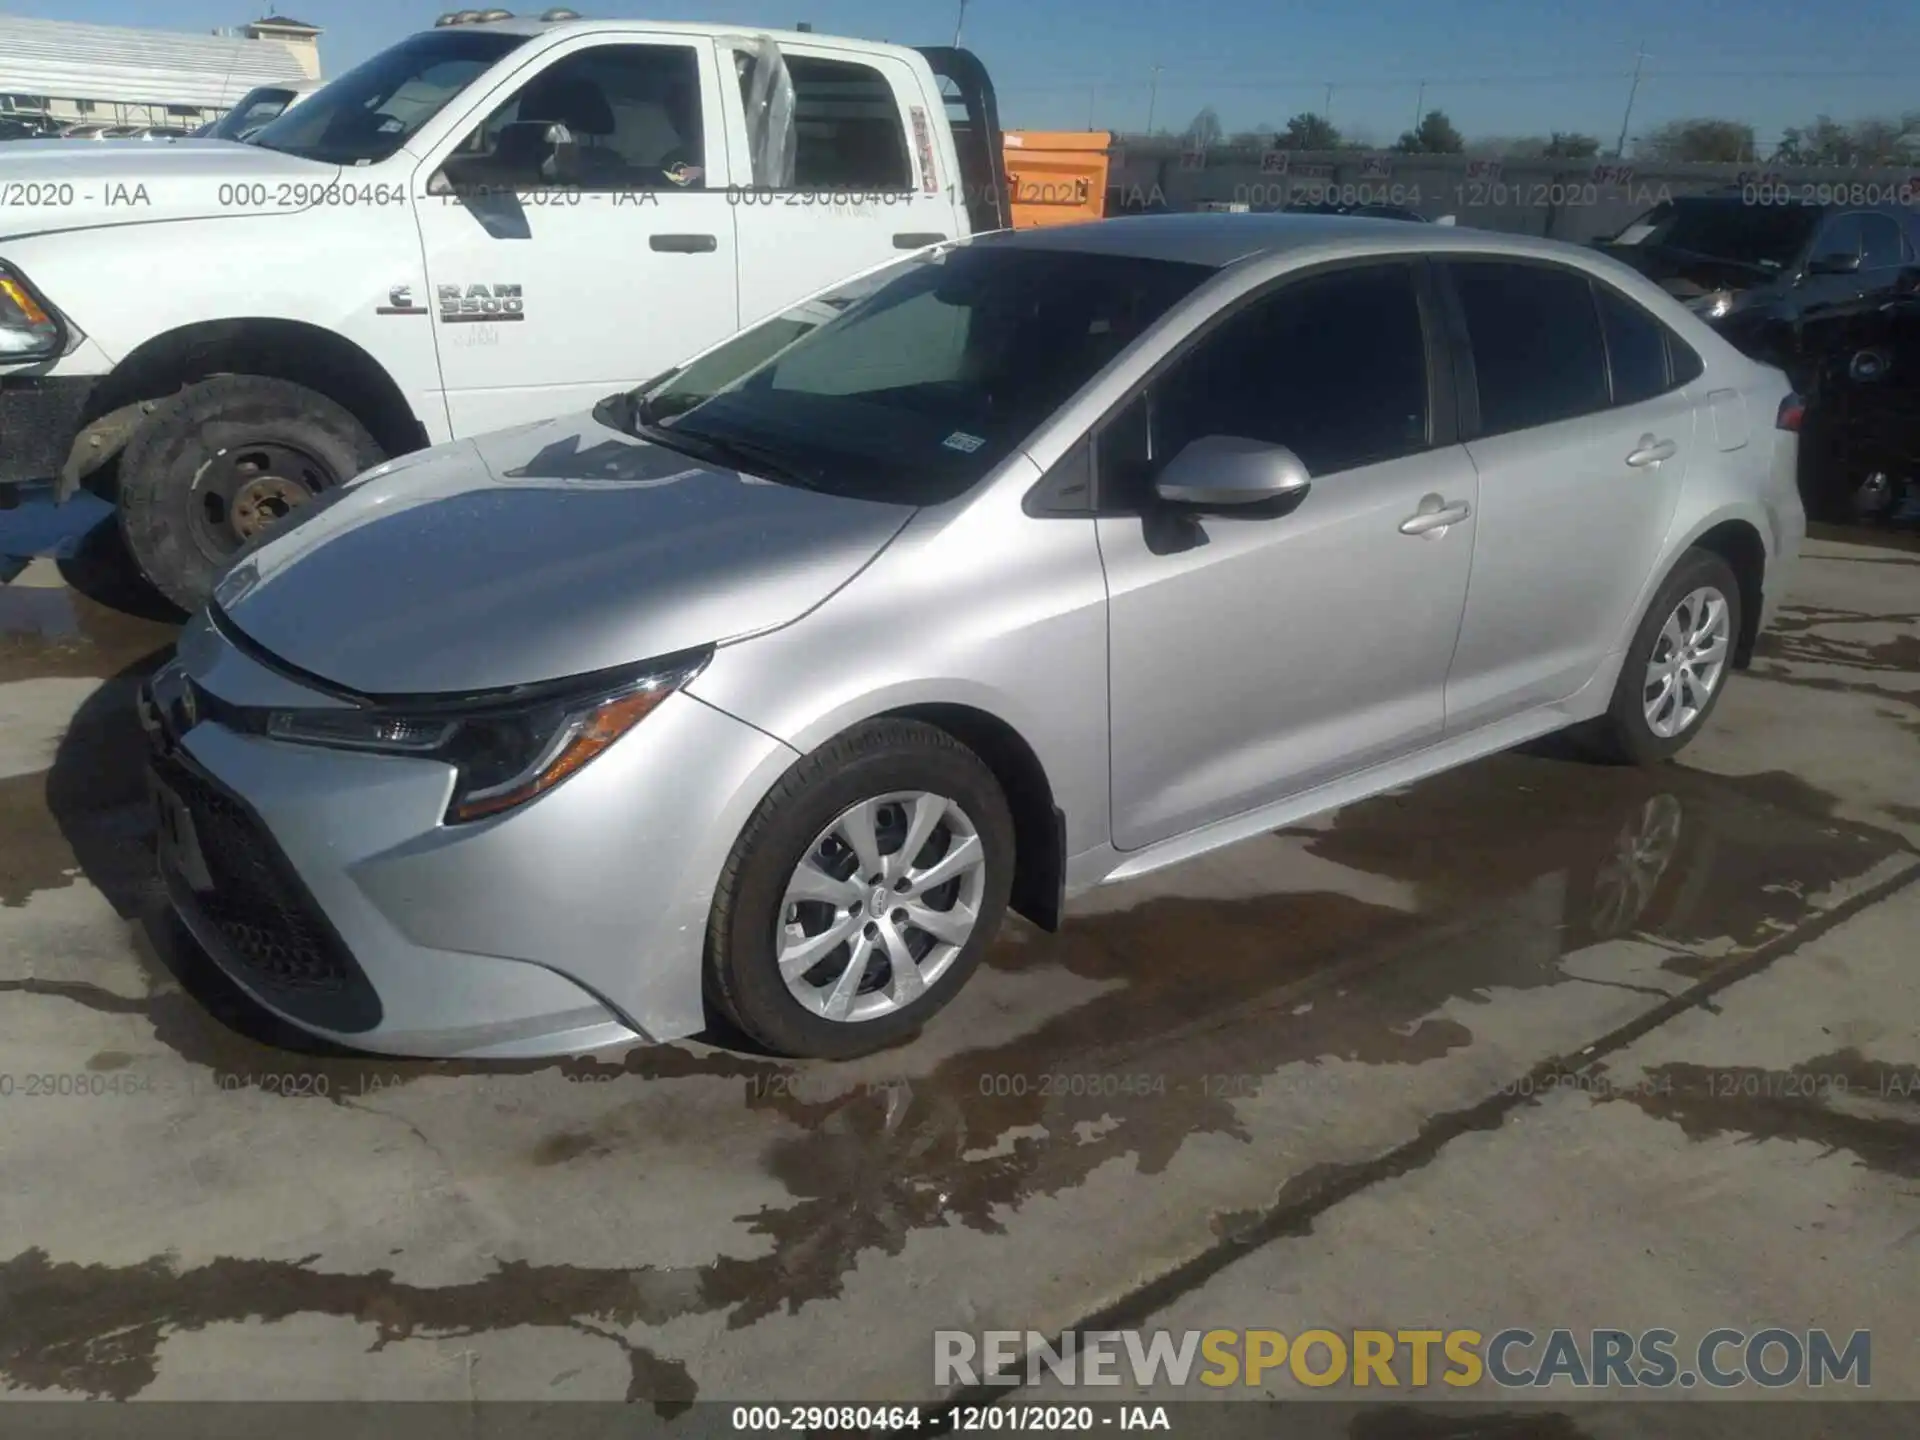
(633, 111)
(847, 128)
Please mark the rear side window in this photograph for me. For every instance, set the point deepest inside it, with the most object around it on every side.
(847, 129)
(1636, 348)
(1538, 353)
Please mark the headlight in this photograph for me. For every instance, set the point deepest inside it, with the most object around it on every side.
(29, 330)
(1715, 304)
(504, 751)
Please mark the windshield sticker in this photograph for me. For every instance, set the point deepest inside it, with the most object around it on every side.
(966, 444)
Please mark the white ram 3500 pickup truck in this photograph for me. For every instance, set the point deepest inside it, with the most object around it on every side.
(488, 223)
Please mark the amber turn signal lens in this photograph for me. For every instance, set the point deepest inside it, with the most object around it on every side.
(590, 733)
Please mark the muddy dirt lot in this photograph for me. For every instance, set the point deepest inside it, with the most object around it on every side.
(1317, 1079)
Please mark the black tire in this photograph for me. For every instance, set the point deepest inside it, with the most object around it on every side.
(871, 760)
(166, 523)
(1623, 735)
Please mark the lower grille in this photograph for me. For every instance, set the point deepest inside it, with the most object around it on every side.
(271, 927)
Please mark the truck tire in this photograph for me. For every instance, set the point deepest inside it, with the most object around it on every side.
(218, 463)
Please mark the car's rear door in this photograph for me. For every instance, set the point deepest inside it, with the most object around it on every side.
(864, 184)
(1253, 656)
(1581, 428)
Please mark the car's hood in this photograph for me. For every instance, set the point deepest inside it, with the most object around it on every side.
(73, 184)
(537, 553)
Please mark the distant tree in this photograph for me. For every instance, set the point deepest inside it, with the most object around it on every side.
(1205, 130)
(1571, 145)
(1877, 140)
(1308, 131)
(1723, 141)
(1436, 136)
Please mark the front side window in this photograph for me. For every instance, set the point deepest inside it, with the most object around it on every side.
(376, 107)
(633, 112)
(1880, 247)
(912, 383)
(1842, 235)
(1332, 366)
(1538, 355)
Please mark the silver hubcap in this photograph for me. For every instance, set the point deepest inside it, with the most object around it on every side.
(1687, 662)
(880, 906)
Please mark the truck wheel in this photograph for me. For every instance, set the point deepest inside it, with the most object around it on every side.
(220, 462)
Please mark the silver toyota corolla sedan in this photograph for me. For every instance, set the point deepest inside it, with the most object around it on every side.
(1010, 568)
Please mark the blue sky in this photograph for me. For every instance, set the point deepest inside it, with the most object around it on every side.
(1498, 67)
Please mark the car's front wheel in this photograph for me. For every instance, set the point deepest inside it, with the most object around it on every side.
(1677, 665)
(862, 893)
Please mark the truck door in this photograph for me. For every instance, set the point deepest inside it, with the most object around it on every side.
(580, 239)
(860, 182)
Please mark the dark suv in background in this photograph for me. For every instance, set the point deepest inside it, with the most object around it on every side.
(1826, 292)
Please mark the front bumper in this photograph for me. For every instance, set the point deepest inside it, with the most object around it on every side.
(39, 416)
(575, 922)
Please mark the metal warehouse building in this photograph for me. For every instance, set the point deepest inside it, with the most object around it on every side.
(149, 77)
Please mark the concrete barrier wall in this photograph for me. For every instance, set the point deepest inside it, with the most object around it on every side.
(1574, 200)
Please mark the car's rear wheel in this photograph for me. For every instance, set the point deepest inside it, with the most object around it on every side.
(1676, 666)
(219, 464)
(861, 894)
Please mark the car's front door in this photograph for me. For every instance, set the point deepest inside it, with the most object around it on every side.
(1583, 435)
(1252, 657)
(550, 289)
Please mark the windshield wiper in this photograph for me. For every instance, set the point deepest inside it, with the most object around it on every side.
(742, 455)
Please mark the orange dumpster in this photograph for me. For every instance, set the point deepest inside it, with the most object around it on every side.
(1057, 177)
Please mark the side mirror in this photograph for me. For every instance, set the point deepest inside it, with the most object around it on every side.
(1839, 262)
(1226, 471)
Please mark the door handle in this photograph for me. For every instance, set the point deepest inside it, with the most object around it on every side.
(1651, 451)
(1434, 516)
(685, 244)
(917, 239)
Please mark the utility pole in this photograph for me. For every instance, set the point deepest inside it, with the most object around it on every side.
(959, 23)
(1420, 108)
(1153, 98)
(1639, 59)
(1093, 92)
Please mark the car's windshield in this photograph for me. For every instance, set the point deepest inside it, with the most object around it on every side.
(255, 109)
(913, 382)
(373, 109)
(1769, 236)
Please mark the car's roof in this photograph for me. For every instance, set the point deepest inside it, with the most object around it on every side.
(533, 25)
(1218, 240)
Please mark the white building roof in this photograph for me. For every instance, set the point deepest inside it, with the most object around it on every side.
(141, 67)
